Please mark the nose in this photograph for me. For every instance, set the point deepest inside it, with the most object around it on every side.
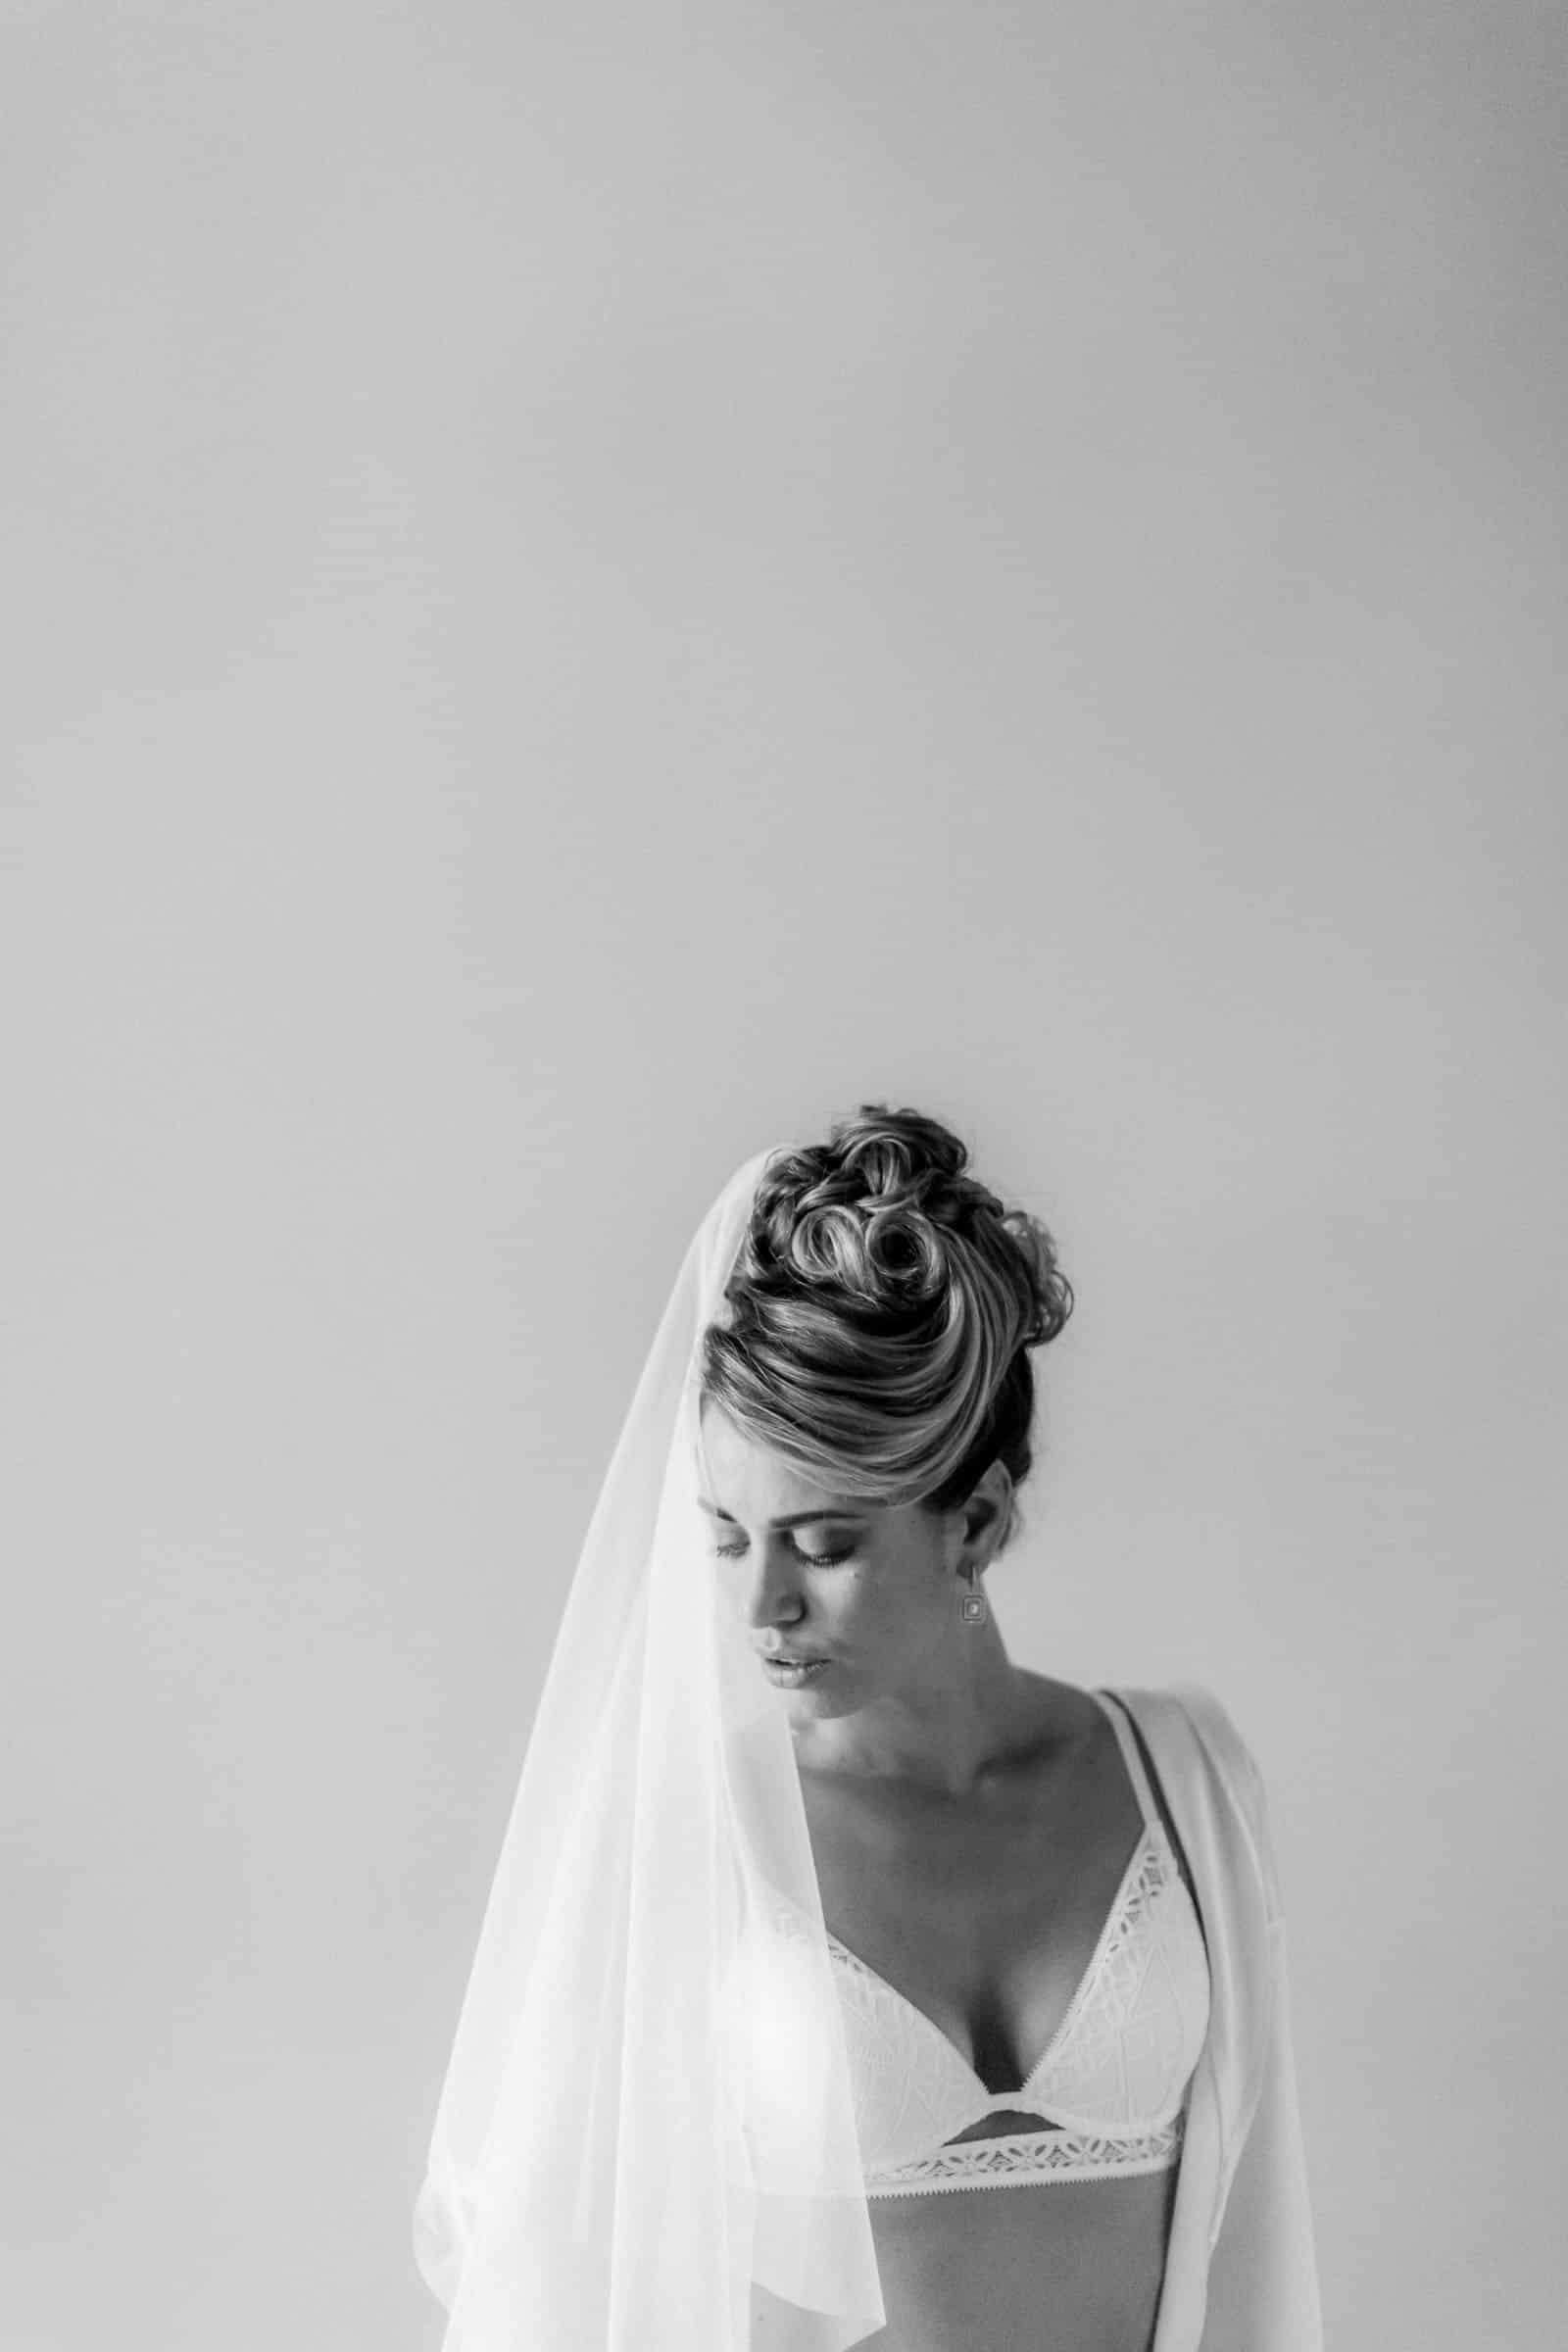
(773, 1596)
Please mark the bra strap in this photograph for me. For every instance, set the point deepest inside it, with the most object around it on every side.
(1117, 1709)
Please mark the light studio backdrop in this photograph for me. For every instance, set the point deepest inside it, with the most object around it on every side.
(588, 589)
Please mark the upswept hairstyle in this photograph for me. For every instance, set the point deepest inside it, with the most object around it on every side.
(881, 1311)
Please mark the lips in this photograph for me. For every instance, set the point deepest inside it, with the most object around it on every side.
(790, 1658)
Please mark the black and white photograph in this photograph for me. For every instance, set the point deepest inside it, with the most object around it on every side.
(785, 1332)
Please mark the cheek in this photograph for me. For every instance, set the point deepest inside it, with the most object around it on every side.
(873, 1609)
(905, 1609)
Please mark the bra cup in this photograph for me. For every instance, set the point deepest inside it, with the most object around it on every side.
(1136, 2037)
(912, 2089)
(774, 2032)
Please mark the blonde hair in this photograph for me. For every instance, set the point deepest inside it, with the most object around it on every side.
(880, 1313)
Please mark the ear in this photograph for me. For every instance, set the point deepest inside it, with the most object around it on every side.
(987, 1517)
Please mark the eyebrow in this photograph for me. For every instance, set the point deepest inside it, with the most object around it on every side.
(795, 1518)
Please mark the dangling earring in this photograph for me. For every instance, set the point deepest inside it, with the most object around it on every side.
(972, 1607)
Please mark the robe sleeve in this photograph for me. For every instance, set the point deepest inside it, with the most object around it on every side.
(1263, 2293)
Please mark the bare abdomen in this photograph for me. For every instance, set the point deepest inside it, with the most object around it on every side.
(1057, 2266)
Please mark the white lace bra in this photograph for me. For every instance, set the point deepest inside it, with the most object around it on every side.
(1112, 2079)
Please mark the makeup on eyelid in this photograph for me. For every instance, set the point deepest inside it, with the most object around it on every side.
(817, 1559)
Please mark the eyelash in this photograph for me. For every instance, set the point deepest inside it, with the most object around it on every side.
(818, 1559)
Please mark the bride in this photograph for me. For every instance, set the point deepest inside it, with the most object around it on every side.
(845, 1982)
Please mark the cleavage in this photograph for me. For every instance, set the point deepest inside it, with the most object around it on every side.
(986, 1926)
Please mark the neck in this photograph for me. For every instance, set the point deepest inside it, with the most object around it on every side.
(949, 1734)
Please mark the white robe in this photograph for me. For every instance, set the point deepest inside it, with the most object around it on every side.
(1241, 2269)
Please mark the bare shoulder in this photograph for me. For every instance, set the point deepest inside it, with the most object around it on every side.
(1069, 1716)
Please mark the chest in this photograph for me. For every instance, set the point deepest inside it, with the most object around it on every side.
(986, 1919)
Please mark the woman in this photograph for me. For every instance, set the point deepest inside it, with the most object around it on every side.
(819, 1922)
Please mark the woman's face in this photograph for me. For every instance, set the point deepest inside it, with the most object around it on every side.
(871, 1588)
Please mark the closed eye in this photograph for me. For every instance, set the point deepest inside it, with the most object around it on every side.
(817, 1559)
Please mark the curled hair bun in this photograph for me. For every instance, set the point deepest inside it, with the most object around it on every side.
(884, 1215)
(881, 1306)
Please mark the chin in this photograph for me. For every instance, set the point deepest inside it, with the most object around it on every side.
(821, 1702)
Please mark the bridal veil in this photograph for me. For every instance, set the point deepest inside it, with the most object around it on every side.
(599, 2178)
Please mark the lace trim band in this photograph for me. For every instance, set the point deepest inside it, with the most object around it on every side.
(1017, 2159)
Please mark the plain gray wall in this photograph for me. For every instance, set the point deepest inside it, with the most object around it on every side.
(588, 589)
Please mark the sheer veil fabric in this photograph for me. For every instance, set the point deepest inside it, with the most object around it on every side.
(596, 2180)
